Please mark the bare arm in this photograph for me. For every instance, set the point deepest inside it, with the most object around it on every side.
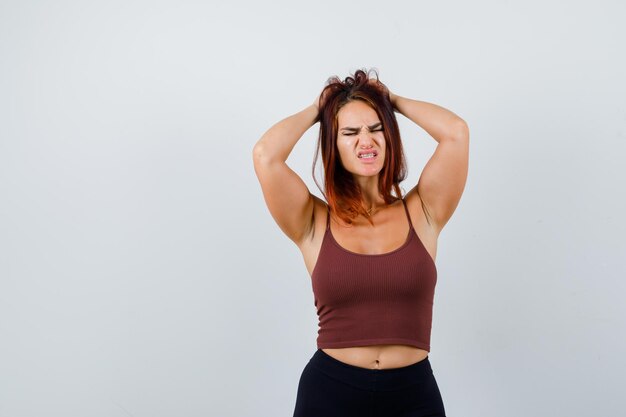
(443, 179)
(286, 195)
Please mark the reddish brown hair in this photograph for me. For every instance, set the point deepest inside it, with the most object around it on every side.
(343, 194)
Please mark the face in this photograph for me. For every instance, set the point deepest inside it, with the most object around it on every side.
(360, 132)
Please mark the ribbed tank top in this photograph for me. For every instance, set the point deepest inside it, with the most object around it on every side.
(374, 299)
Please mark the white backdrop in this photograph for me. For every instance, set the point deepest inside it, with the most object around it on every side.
(141, 273)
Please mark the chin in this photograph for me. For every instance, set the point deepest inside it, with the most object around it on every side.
(367, 173)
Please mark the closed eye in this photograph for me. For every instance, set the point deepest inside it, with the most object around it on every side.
(379, 129)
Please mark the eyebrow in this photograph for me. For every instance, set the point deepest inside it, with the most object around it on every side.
(356, 129)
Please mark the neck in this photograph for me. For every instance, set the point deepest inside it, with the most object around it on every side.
(372, 204)
(369, 191)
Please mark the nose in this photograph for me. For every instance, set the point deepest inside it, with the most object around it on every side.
(366, 139)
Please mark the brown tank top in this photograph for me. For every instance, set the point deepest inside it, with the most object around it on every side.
(374, 299)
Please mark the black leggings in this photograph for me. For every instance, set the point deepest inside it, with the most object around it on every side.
(331, 388)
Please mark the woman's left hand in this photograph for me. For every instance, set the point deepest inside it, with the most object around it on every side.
(392, 98)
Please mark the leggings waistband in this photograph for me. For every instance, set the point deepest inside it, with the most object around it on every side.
(391, 379)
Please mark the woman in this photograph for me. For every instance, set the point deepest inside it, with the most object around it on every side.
(373, 282)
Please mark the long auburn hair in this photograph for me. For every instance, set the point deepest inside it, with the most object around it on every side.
(342, 193)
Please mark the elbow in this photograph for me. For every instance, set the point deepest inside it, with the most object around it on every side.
(261, 155)
(460, 130)
(258, 155)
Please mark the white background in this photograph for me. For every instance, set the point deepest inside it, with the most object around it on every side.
(141, 273)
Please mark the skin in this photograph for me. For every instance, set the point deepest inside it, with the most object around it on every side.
(358, 115)
(302, 216)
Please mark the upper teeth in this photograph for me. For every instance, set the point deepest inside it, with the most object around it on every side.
(366, 155)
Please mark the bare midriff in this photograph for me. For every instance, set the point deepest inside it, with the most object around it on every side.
(379, 356)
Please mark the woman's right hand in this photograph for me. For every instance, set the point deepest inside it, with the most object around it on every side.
(317, 103)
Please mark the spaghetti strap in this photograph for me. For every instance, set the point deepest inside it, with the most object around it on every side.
(407, 213)
(327, 217)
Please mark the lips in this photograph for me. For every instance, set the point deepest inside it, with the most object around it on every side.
(359, 155)
(368, 158)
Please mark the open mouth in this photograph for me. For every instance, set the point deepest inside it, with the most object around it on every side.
(368, 156)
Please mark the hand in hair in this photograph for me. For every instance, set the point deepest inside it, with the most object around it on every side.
(381, 86)
(392, 98)
(317, 103)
